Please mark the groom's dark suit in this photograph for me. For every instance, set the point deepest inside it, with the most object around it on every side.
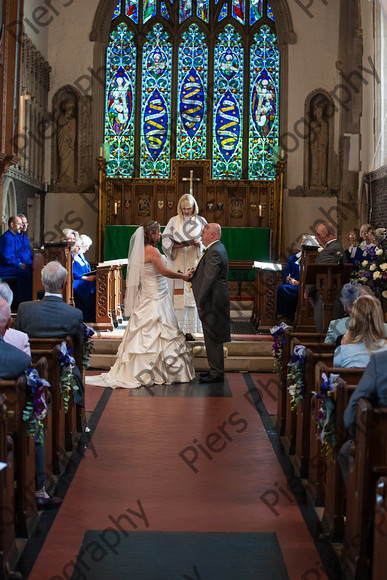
(209, 285)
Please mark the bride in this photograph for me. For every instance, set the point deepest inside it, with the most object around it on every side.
(153, 350)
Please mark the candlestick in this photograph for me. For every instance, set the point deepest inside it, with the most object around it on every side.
(260, 210)
(101, 151)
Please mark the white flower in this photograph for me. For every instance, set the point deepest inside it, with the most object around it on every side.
(320, 249)
(383, 266)
(379, 252)
(377, 275)
(372, 267)
(364, 263)
(292, 390)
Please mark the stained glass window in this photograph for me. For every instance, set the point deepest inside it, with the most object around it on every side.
(156, 104)
(238, 10)
(119, 117)
(263, 124)
(149, 9)
(202, 9)
(192, 95)
(117, 11)
(255, 10)
(228, 103)
(270, 11)
(185, 9)
(142, 130)
(132, 10)
(223, 12)
(164, 11)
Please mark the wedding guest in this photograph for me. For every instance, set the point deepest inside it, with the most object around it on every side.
(368, 238)
(182, 246)
(365, 334)
(354, 252)
(84, 285)
(12, 336)
(15, 262)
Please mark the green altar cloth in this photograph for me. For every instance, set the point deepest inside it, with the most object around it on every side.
(241, 243)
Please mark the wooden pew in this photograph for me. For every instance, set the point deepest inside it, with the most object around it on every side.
(304, 338)
(368, 462)
(25, 508)
(301, 415)
(324, 479)
(379, 563)
(8, 549)
(314, 354)
(56, 459)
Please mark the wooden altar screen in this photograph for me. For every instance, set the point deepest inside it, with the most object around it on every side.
(232, 203)
(60, 251)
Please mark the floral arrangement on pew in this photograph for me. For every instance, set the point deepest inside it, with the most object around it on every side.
(295, 377)
(67, 378)
(277, 333)
(373, 270)
(326, 416)
(88, 345)
(36, 406)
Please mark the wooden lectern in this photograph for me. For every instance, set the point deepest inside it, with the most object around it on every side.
(61, 252)
(329, 280)
(304, 320)
(266, 283)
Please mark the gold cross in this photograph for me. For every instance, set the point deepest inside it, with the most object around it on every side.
(191, 179)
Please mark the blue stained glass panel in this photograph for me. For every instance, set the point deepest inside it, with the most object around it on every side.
(238, 10)
(255, 10)
(117, 11)
(131, 10)
(156, 105)
(149, 9)
(192, 95)
(185, 9)
(119, 104)
(202, 9)
(163, 11)
(264, 100)
(223, 12)
(270, 11)
(228, 112)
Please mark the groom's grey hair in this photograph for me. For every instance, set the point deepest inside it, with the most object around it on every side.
(53, 277)
(6, 292)
(5, 315)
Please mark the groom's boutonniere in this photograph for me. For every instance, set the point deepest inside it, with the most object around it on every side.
(204, 251)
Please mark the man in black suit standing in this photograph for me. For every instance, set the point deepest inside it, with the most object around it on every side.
(210, 288)
(332, 253)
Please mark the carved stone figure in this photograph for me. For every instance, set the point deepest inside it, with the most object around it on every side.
(319, 138)
(66, 138)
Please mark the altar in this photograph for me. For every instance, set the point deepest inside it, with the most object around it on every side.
(241, 243)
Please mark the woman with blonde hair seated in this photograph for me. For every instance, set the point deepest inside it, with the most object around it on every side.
(364, 336)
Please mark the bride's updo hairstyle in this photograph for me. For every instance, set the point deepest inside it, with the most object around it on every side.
(149, 229)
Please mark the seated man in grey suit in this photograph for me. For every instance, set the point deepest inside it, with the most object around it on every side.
(13, 363)
(332, 253)
(210, 288)
(372, 386)
(52, 317)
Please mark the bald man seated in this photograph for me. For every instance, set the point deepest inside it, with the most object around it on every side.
(210, 288)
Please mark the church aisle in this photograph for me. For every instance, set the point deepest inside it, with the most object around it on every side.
(154, 467)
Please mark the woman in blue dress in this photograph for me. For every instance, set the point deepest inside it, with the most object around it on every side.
(84, 286)
(287, 293)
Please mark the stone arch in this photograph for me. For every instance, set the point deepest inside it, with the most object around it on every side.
(320, 98)
(9, 202)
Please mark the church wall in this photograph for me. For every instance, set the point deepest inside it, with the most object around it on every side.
(35, 24)
(312, 66)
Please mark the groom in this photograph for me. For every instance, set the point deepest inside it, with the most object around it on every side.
(209, 285)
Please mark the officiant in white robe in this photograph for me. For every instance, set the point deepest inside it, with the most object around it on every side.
(182, 245)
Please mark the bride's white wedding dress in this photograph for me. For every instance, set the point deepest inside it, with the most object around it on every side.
(153, 350)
